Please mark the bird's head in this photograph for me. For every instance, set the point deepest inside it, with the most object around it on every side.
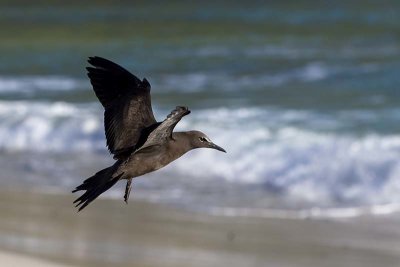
(200, 140)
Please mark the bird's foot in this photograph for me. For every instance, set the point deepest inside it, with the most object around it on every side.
(128, 190)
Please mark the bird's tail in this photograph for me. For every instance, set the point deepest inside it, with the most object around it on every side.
(95, 186)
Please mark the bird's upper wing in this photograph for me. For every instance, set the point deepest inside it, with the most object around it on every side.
(164, 130)
(127, 104)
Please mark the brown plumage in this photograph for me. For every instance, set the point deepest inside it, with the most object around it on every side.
(138, 142)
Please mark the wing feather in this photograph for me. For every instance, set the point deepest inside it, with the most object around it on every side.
(164, 130)
(127, 103)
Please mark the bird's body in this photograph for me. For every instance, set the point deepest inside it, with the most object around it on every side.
(148, 160)
(139, 143)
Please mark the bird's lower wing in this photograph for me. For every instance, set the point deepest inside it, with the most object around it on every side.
(164, 130)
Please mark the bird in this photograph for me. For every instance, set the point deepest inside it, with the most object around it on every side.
(139, 144)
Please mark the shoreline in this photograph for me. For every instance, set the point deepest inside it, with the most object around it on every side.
(313, 213)
(109, 232)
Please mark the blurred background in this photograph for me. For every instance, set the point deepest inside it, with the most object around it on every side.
(303, 95)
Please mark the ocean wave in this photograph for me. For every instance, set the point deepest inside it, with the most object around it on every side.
(32, 84)
(306, 73)
(39, 126)
(311, 51)
(276, 155)
(198, 82)
(327, 169)
(305, 166)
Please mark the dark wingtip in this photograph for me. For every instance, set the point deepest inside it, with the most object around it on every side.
(91, 59)
(99, 61)
(187, 110)
(146, 84)
(182, 110)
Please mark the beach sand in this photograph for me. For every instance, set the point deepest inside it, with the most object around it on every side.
(110, 233)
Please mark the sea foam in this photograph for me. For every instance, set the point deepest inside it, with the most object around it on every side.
(278, 155)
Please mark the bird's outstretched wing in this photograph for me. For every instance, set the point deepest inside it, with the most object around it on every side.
(164, 130)
(126, 99)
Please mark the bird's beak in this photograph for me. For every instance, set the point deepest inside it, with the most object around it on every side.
(214, 146)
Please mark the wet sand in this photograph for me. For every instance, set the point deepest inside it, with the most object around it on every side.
(110, 233)
(8, 259)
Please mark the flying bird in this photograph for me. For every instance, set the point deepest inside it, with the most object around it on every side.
(138, 142)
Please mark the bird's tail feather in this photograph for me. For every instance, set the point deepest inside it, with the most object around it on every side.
(95, 186)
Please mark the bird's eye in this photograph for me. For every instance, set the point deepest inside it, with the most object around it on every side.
(203, 139)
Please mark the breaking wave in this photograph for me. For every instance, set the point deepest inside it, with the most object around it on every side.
(57, 126)
(307, 166)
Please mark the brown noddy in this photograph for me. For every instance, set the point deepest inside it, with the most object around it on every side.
(138, 142)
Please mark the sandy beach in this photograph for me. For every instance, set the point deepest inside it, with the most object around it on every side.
(46, 226)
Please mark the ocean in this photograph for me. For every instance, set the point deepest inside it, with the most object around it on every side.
(304, 98)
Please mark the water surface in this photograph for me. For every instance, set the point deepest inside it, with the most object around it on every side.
(303, 97)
